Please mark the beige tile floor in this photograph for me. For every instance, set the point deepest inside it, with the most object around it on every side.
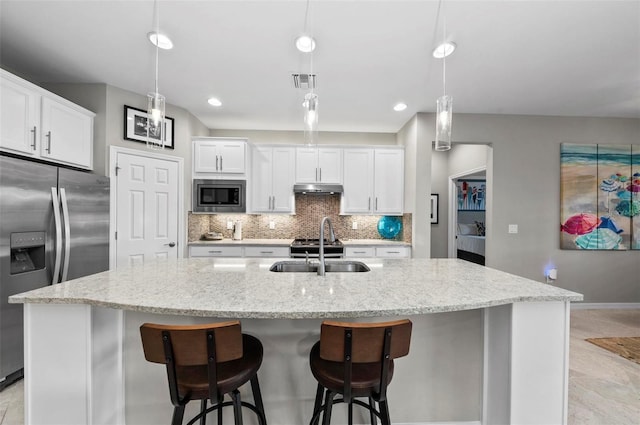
(604, 388)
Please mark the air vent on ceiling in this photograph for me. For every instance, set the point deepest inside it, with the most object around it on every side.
(304, 81)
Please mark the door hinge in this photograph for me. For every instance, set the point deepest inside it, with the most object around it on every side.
(117, 168)
(116, 235)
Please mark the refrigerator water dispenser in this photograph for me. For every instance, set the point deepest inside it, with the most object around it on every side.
(27, 252)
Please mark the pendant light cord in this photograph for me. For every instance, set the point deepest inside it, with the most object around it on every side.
(157, 13)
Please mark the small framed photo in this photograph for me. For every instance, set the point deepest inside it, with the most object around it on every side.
(434, 208)
(135, 127)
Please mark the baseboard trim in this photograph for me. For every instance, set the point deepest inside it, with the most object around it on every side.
(602, 306)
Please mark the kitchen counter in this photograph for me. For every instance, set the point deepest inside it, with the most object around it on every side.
(245, 288)
(248, 242)
(373, 242)
(487, 346)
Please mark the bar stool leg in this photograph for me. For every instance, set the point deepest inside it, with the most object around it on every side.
(384, 412)
(350, 410)
(257, 399)
(328, 405)
(178, 414)
(372, 406)
(237, 407)
(203, 408)
(315, 419)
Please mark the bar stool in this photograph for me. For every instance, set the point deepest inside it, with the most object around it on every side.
(205, 362)
(356, 360)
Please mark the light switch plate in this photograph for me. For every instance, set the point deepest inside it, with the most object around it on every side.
(229, 225)
(354, 225)
(513, 228)
(272, 225)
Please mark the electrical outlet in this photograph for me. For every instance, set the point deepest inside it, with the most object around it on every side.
(229, 225)
(354, 225)
(272, 225)
(513, 228)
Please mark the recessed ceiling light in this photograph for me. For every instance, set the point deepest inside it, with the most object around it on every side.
(305, 43)
(160, 40)
(214, 101)
(400, 107)
(443, 50)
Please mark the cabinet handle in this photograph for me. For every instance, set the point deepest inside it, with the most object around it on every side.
(266, 252)
(359, 252)
(48, 142)
(215, 252)
(216, 162)
(273, 202)
(320, 174)
(376, 203)
(316, 174)
(220, 162)
(369, 206)
(34, 138)
(393, 252)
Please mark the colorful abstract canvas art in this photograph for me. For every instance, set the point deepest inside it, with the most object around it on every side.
(600, 197)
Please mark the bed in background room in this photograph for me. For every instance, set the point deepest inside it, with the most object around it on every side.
(470, 241)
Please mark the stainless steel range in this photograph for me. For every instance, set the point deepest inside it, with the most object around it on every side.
(301, 248)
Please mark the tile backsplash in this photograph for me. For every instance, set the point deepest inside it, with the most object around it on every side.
(304, 224)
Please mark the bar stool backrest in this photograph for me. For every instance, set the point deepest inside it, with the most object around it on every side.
(367, 340)
(189, 342)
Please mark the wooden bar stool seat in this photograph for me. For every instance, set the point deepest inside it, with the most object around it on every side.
(205, 362)
(355, 360)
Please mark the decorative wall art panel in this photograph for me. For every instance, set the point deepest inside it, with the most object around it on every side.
(471, 195)
(600, 197)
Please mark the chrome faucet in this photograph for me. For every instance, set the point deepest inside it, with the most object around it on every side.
(332, 239)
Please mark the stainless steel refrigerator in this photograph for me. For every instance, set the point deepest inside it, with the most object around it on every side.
(54, 226)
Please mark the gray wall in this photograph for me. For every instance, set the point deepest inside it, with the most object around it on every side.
(523, 174)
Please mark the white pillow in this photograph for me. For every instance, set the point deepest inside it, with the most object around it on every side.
(467, 229)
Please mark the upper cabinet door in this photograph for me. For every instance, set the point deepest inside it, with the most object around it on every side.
(283, 179)
(318, 165)
(330, 165)
(67, 134)
(389, 182)
(261, 179)
(19, 118)
(219, 156)
(358, 181)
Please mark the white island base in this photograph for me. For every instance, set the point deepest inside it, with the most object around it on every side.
(504, 364)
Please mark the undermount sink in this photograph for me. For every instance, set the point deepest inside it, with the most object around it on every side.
(330, 266)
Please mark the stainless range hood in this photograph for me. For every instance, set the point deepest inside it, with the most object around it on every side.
(318, 189)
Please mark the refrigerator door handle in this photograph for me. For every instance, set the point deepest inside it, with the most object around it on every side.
(56, 218)
(67, 234)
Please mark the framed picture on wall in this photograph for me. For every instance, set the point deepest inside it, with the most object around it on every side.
(434, 208)
(135, 127)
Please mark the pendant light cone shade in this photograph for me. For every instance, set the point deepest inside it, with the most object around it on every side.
(310, 105)
(444, 118)
(156, 121)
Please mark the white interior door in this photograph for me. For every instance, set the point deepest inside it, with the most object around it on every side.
(147, 208)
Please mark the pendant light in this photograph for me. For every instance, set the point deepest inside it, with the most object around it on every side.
(444, 104)
(155, 101)
(310, 103)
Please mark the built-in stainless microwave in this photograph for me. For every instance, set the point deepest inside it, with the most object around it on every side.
(219, 196)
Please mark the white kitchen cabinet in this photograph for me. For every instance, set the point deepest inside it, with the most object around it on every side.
(373, 181)
(40, 124)
(267, 251)
(272, 179)
(213, 155)
(359, 251)
(318, 165)
(393, 252)
(215, 251)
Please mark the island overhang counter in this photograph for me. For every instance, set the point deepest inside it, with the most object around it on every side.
(487, 346)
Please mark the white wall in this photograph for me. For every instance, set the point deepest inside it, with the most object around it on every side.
(523, 172)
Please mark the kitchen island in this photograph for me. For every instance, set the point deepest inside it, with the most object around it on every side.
(486, 346)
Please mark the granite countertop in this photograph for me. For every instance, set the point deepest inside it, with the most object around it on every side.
(287, 242)
(245, 288)
(244, 242)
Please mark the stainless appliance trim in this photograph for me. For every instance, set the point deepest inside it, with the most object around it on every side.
(67, 234)
(199, 207)
(56, 219)
(318, 189)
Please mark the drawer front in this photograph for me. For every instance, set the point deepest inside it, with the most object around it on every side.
(360, 251)
(215, 251)
(393, 252)
(266, 251)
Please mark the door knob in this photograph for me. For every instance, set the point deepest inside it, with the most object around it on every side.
(171, 244)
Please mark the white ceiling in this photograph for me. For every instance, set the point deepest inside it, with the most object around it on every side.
(572, 58)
